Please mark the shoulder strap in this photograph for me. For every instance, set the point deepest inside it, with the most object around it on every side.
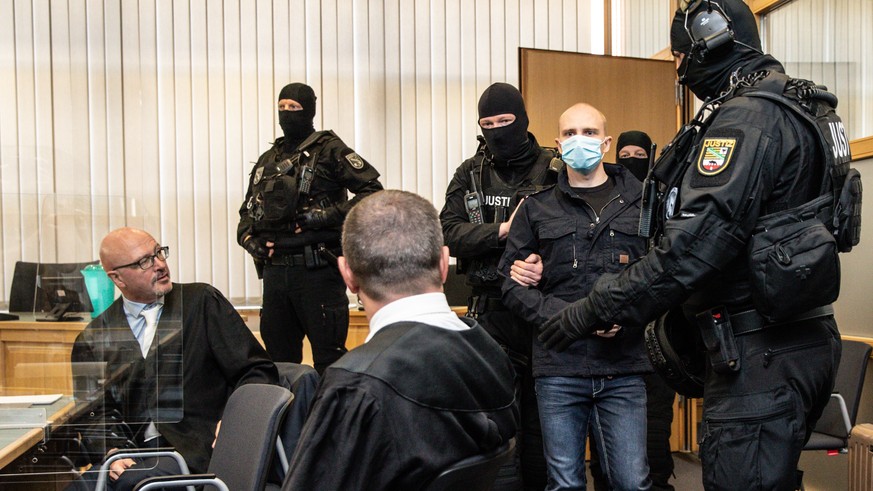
(317, 137)
(547, 162)
(816, 107)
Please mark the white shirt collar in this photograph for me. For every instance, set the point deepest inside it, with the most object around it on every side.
(134, 309)
(429, 308)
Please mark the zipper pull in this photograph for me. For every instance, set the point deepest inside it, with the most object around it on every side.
(575, 263)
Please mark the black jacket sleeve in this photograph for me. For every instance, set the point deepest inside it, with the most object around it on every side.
(529, 303)
(464, 238)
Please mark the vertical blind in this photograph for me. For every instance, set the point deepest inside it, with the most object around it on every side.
(831, 43)
(150, 113)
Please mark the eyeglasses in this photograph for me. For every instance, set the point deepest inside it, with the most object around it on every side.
(147, 262)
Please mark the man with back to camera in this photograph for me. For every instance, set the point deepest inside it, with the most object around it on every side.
(427, 388)
(584, 227)
(755, 168)
(181, 349)
(480, 203)
(290, 222)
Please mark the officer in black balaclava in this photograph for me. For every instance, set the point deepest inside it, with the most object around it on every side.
(632, 151)
(296, 124)
(508, 144)
(762, 146)
(290, 223)
(480, 200)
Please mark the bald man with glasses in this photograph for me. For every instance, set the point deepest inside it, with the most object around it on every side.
(173, 353)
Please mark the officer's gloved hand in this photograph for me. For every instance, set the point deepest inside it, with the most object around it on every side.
(315, 218)
(568, 325)
(257, 247)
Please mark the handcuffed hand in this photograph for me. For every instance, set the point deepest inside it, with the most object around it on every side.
(257, 247)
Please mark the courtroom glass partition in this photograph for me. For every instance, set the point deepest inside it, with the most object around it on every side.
(74, 382)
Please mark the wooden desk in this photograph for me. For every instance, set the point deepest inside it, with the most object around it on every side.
(35, 356)
(15, 442)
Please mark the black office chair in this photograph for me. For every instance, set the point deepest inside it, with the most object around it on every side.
(475, 473)
(832, 430)
(456, 288)
(302, 381)
(25, 295)
(245, 444)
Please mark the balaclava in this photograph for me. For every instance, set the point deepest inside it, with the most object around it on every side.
(708, 74)
(639, 167)
(297, 125)
(509, 142)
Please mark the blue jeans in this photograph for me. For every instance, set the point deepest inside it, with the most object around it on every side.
(615, 409)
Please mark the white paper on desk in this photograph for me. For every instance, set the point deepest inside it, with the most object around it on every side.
(42, 399)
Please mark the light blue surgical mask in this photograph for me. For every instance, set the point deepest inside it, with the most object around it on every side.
(582, 153)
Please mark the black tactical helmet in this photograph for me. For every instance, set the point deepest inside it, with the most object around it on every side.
(676, 351)
(717, 37)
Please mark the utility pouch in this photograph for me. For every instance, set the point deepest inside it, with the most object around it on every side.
(794, 267)
(327, 254)
(847, 212)
(278, 192)
(718, 338)
(475, 306)
(312, 258)
(259, 268)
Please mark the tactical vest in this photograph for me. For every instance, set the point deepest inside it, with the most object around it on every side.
(838, 205)
(793, 254)
(788, 248)
(279, 187)
(499, 199)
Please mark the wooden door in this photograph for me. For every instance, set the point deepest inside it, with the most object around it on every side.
(633, 93)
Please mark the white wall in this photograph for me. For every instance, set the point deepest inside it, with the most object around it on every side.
(150, 112)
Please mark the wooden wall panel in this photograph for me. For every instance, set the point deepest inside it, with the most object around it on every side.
(633, 93)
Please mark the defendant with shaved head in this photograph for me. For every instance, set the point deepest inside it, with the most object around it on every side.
(584, 227)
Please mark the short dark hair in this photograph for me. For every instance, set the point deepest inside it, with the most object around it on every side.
(392, 242)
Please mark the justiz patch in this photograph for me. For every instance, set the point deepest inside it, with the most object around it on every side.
(715, 155)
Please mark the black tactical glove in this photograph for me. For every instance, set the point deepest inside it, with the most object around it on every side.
(316, 218)
(568, 325)
(257, 247)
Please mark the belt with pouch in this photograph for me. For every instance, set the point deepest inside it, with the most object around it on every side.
(288, 260)
(751, 321)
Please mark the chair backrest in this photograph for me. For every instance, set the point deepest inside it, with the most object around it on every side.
(302, 381)
(247, 440)
(456, 288)
(475, 473)
(849, 382)
(24, 293)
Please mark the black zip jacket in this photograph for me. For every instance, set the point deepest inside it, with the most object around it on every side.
(578, 245)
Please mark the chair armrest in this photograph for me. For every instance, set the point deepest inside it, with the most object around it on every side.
(280, 452)
(160, 482)
(844, 412)
(130, 453)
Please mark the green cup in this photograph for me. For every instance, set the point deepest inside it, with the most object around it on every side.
(101, 289)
